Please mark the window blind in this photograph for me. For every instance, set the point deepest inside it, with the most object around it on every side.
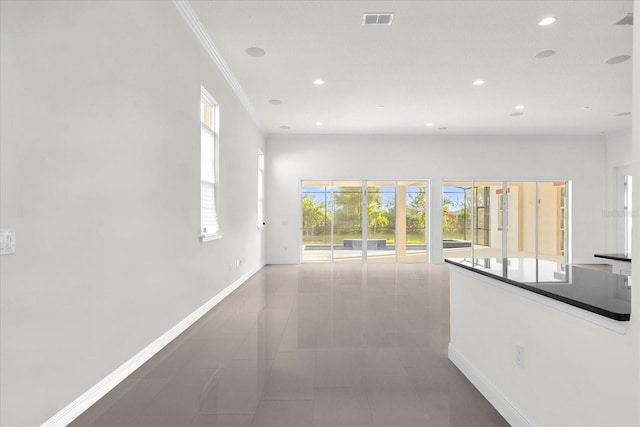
(208, 214)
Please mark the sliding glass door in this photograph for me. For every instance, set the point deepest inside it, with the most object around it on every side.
(552, 221)
(457, 219)
(486, 214)
(347, 221)
(381, 221)
(317, 221)
(497, 219)
(624, 209)
(411, 241)
(356, 221)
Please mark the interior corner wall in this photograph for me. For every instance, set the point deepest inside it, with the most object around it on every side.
(580, 159)
(100, 179)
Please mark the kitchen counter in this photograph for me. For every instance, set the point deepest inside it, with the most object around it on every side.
(615, 257)
(620, 262)
(596, 291)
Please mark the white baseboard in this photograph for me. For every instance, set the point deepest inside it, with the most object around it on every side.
(282, 262)
(70, 412)
(510, 412)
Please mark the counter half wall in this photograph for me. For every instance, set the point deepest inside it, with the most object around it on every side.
(533, 338)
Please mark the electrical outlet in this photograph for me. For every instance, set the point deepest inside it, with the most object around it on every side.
(520, 355)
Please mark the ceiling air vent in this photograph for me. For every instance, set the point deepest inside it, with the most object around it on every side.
(377, 18)
(627, 20)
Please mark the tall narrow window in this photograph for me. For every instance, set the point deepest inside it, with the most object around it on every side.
(209, 131)
(260, 189)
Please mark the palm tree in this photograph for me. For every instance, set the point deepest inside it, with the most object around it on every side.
(378, 217)
(313, 215)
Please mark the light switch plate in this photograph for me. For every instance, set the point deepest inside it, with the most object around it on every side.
(7, 241)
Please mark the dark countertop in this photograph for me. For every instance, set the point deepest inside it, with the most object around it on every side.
(597, 291)
(615, 257)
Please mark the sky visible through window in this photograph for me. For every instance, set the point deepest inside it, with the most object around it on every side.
(387, 194)
(454, 194)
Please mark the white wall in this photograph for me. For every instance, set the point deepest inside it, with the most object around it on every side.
(575, 372)
(519, 158)
(635, 130)
(100, 169)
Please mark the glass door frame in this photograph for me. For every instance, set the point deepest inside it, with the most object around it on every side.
(505, 213)
(330, 183)
(363, 219)
(624, 209)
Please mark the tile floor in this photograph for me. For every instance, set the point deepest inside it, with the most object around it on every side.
(315, 345)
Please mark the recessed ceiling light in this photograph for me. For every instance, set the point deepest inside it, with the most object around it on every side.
(285, 127)
(478, 82)
(254, 51)
(617, 59)
(275, 102)
(516, 114)
(547, 21)
(318, 82)
(380, 107)
(428, 124)
(626, 113)
(520, 107)
(586, 107)
(318, 123)
(545, 54)
(443, 128)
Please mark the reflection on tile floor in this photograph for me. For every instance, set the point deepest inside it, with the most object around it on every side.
(317, 345)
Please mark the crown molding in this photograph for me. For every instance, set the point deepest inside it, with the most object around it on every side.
(202, 35)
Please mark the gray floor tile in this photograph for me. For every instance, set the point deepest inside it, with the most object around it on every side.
(291, 377)
(394, 403)
(284, 413)
(341, 407)
(325, 345)
(380, 362)
(338, 367)
(176, 404)
(208, 420)
(215, 353)
(237, 389)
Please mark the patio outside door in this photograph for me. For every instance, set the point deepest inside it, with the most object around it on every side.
(348, 207)
(364, 221)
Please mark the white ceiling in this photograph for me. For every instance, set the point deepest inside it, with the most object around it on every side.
(422, 67)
